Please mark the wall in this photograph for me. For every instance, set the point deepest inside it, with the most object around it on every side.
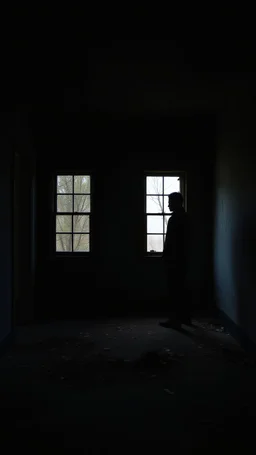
(235, 223)
(119, 150)
(6, 164)
(24, 218)
(16, 183)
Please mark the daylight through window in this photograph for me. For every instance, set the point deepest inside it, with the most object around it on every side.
(73, 210)
(158, 189)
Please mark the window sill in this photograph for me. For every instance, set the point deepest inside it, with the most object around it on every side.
(73, 255)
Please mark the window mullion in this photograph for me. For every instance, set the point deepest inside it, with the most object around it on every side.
(73, 201)
(163, 214)
(163, 210)
(55, 211)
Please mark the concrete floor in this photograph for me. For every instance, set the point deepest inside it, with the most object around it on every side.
(107, 384)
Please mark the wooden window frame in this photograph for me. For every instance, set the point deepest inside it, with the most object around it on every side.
(183, 189)
(73, 213)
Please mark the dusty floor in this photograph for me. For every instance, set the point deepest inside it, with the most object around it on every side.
(106, 384)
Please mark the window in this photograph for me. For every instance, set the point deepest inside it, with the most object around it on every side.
(158, 188)
(73, 213)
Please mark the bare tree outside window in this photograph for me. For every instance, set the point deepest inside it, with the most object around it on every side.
(73, 210)
(158, 189)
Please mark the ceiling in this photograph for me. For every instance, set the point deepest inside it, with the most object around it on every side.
(165, 76)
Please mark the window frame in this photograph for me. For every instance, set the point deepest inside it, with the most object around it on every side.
(183, 189)
(73, 173)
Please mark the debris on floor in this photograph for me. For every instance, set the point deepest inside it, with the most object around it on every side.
(208, 326)
(81, 361)
(158, 359)
(168, 391)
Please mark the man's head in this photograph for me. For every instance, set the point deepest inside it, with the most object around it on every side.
(175, 201)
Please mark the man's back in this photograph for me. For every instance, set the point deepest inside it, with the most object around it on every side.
(176, 243)
(175, 255)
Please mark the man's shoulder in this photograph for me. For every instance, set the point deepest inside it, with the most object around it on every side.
(180, 217)
(182, 221)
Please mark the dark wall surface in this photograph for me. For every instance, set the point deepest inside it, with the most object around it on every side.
(6, 164)
(23, 217)
(119, 150)
(235, 225)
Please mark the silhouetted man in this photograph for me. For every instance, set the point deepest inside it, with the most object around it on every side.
(175, 257)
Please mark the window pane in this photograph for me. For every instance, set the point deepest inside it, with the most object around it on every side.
(82, 203)
(166, 203)
(63, 223)
(64, 203)
(64, 184)
(171, 185)
(155, 224)
(82, 184)
(81, 242)
(166, 219)
(154, 185)
(154, 243)
(63, 242)
(81, 223)
(154, 204)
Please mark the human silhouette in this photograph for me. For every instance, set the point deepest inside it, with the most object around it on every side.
(175, 256)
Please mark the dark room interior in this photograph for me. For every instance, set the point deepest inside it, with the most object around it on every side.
(84, 363)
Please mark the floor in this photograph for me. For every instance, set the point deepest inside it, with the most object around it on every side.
(108, 384)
